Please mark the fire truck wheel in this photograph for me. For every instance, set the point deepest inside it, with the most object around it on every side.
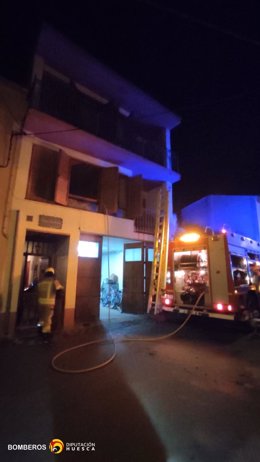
(256, 314)
(245, 316)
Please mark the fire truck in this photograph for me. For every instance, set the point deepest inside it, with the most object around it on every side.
(222, 268)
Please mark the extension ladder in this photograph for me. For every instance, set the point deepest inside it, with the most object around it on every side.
(160, 257)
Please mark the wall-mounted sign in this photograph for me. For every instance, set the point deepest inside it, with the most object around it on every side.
(50, 222)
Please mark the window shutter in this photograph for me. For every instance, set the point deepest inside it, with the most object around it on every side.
(122, 192)
(108, 190)
(36, 158)
(62, 183)
(42, 175)
(134, 197)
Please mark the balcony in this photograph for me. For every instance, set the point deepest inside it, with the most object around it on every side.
(145, 223)
(64, 101)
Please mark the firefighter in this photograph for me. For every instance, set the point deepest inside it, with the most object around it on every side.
(47, 289)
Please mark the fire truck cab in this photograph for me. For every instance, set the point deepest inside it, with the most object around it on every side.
(221, 267)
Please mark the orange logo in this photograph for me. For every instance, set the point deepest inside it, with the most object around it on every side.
(56, 446)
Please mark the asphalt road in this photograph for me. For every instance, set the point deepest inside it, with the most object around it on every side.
(192, 397)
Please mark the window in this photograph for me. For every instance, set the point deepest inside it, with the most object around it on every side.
(56, 177)
(88, 249)
(84, 181)
(150, 254)
(239, 262)
(134, 254)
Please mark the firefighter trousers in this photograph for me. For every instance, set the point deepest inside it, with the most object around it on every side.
(45, 317)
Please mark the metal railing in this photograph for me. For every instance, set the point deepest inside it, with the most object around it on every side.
(145, 223)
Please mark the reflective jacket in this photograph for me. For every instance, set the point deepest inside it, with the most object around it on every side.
(47, 291)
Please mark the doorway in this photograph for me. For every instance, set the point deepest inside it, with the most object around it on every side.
(88, 279)
(40, 251)
(117, 277)
(111, 288)
(138, 259)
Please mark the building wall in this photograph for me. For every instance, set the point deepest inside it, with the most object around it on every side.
(257, 203)
(12, 110)
(20, 215)
(236, 213)
(24, 215)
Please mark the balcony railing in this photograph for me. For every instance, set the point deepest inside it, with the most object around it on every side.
(65, 101)
(145, 223)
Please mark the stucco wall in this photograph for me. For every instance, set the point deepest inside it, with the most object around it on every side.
(236, 213)
(12, 110)
(74, 223)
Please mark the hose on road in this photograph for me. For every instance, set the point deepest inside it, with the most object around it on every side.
(114, 341)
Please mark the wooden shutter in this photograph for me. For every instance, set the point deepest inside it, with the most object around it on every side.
(134, 197)
(42, 175)
(108, 190)
(33, 173)
(122, 201)
(62, 183)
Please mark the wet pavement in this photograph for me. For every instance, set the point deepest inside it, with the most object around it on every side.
(191, 397)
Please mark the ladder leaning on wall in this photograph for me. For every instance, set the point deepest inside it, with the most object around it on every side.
(160, 257)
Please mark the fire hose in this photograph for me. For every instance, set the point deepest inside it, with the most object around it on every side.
(114, 342)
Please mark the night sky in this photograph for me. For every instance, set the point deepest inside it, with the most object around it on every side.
(200, 58)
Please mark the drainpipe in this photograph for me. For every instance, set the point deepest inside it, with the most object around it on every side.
(6, 163)
(10, 275)
(11, 149)
(10, 183)
(172, 218)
